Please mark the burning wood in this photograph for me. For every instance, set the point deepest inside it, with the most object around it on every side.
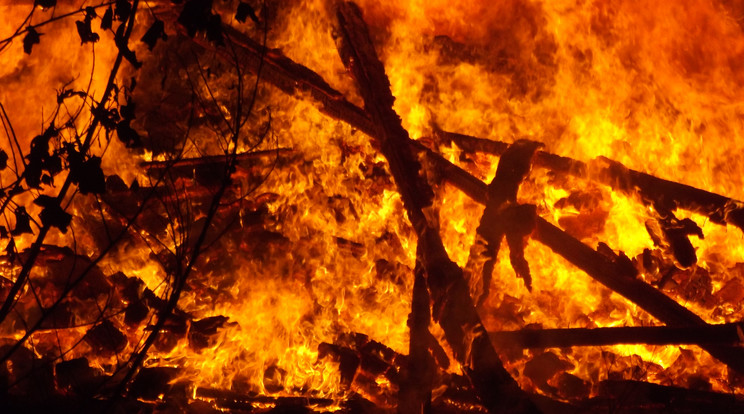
(281, 257)
(727, 334)
(662, 194)
(453, 307)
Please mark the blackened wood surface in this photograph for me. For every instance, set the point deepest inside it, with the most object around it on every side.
(502, 216)
(454, 308)
(613, 274)
(725, 334)
(415, 388)
(661, 192)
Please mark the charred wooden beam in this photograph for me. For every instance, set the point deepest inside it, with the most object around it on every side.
(627, 396)
(454, 309)
(414, 395)
(215, 160)
(724, 334)
(661, 193)
(504, 217)
(614, 274)
(232, 399)
(542, 159)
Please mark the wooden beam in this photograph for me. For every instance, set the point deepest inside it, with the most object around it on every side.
(724, 334)
(616, 275)
(657, 191)
(453, 307)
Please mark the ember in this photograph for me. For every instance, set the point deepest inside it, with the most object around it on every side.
(514, 206)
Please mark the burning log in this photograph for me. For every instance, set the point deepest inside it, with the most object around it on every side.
(235, 400)
(415, 388)
(724, 334)
(636, 396)
(213, 159)
(664, 194)
(504, 217)
(453, 306)
(360, 371)
(615, 274)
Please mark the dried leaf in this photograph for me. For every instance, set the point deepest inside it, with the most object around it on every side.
(154, 33)
(245, 10)
(53, 215)
(92, 179)
(85, 32)
(23, 222)
(32, 38)
(38, 157)
(128, 135)
(123, 9)
(87, 174)
(108, 19)
(90, 13)
(197, 16)
(127, 111)
(193, 15)
(45, 4)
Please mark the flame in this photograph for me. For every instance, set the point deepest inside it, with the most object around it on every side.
(654, 87)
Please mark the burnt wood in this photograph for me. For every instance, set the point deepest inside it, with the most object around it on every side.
(504, 217)
(414, 395)
(656, 191)
(294, 79)
(214, 160)
(614, 274)
(724, 334)
(453, 307)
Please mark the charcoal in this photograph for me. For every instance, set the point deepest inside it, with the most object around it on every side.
(202, 331)
(151, 383)
(543, 367)
(105, 338)
(136, 312)
(78, 377)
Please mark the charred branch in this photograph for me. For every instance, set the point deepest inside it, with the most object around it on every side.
(453, 307)
(636, 396)
(236, 400)
(661, 193)
(504, 217)
(156, 167)
(725, 334)
(615, 274)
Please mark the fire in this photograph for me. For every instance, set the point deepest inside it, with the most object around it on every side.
(323, 254)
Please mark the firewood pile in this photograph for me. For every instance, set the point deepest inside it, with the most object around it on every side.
(460, 366)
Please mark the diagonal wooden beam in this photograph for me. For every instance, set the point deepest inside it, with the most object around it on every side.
(726, 334)
(453, 307)
(656, 191)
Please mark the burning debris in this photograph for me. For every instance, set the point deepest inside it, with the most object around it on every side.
(206, 224)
